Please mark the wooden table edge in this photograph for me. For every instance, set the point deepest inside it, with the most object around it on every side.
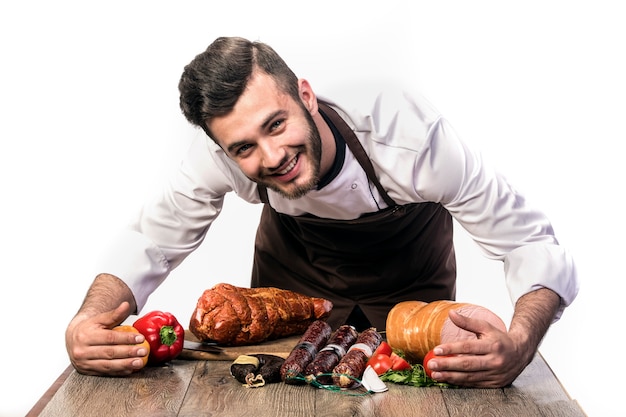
(567, 394)
(50, 392)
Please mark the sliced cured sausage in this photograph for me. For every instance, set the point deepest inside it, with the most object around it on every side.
(314, 338)
(330, 355)
(352, 365)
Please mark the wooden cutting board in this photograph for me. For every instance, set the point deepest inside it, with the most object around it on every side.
(279, 347)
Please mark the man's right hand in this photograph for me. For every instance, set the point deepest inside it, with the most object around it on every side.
(95, 349)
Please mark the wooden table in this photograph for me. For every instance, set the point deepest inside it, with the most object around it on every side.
(205, 388)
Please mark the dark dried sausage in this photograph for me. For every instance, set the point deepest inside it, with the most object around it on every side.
(270, 367)
(327, 358)
(257, 369)
(352, 365)
(314, 338)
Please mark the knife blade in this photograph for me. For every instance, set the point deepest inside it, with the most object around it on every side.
(202, 347)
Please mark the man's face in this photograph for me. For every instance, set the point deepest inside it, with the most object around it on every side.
(272, 138)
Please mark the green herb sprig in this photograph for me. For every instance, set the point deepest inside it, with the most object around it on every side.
(415, 376)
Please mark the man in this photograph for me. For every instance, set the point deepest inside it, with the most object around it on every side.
(359, 193)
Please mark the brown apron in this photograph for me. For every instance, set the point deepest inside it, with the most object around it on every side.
(364, 266)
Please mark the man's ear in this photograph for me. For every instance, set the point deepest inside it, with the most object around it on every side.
(307, 96)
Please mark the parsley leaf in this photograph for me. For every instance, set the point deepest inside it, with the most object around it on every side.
(415, 376)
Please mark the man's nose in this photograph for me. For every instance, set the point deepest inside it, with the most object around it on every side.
(272, 155)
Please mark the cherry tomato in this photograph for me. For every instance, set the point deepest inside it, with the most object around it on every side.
(384, 348)
(380, 363)
(430, 355)
(398, 363)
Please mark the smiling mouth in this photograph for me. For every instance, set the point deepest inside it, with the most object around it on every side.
(289, 167)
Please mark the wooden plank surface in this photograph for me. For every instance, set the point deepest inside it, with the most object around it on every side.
(399, 401)
(212, 394)
(154, 391)
(537, 394)
(206, 388)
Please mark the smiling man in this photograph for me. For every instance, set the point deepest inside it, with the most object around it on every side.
(359, 193)
(274, 139)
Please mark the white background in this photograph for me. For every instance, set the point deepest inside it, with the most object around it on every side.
(90, 124)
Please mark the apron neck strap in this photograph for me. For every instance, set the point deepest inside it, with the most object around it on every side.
(357, 150)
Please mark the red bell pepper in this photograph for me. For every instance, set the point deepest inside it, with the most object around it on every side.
(164, 334)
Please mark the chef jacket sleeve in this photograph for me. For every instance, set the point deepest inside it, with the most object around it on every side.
(171, 226)
(496, 216)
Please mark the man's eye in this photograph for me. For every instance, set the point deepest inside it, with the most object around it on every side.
(276, 124)
(243, 148)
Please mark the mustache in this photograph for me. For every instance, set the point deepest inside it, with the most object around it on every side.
(281, 164)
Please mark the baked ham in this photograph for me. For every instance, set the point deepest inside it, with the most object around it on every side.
(416, 327)
(236, 316)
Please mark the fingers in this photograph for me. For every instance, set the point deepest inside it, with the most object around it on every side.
(459, 363)
(95, 349)
(110, 368)
(113, 318)
(472, 371)
(474, 325)
(467, 347)
(489, 338)
(108, 358)
(491, 360)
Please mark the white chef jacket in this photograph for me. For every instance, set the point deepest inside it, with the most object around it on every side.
(417, 157)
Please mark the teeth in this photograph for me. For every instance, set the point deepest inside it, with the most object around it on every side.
(289, 167)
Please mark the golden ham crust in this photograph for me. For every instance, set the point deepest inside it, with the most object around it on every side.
(236, 316)
(416, 327)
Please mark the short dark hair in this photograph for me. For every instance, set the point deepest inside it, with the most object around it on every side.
(214, 80)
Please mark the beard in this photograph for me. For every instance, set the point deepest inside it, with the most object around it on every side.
(313, 150)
